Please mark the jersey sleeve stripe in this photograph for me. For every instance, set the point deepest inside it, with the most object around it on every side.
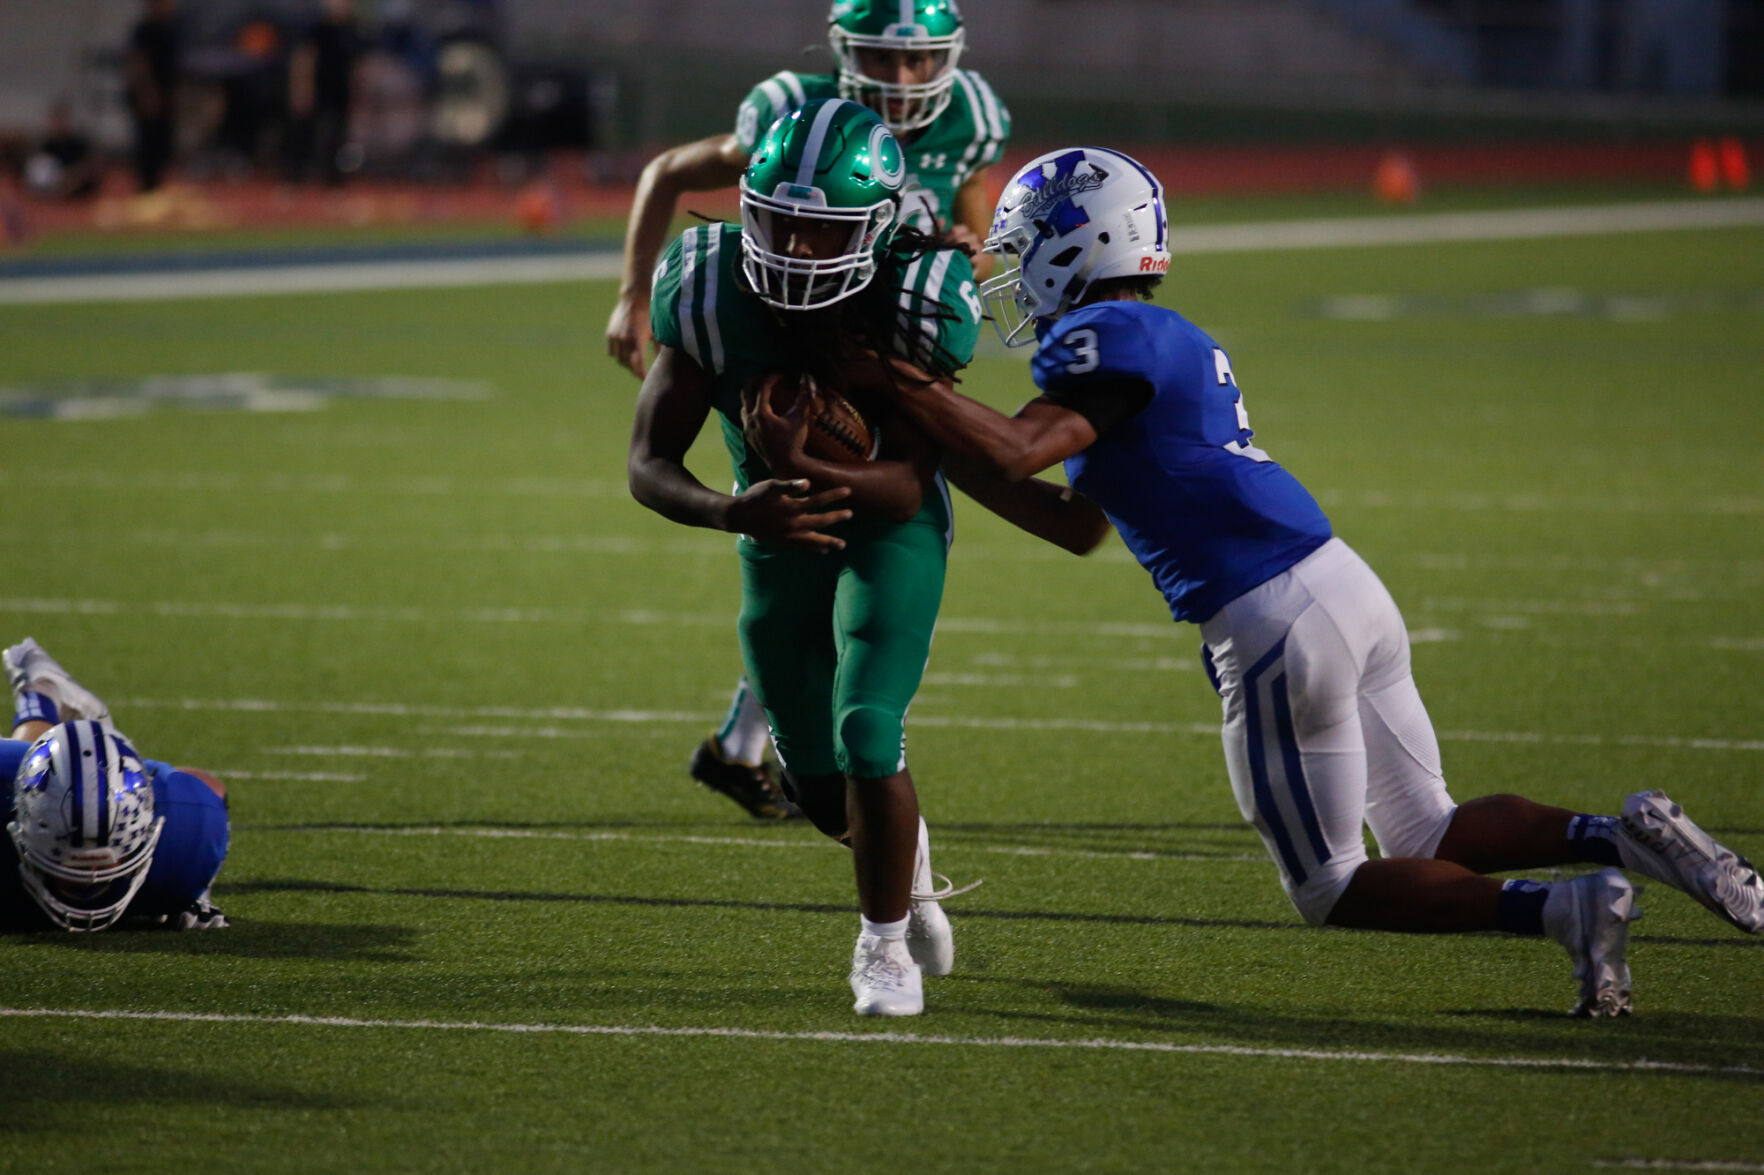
(976, 145)
(713, 268)
(690, 336)
(775, 94)
(793, 83)
(994, 109)
(933, 291)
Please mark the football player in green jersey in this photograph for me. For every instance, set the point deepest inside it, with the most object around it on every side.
(842, 565)
(899, 57)
(896, 56)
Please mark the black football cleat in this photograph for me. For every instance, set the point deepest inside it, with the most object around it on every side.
(751, 787)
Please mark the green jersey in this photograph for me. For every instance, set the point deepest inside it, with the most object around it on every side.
(969, 135)
(703, 308)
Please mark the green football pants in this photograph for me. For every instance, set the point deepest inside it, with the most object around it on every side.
(835, 644)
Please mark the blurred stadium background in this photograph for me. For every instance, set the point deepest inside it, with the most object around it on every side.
(480, 98)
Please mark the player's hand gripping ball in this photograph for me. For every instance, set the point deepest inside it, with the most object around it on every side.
(837, 431)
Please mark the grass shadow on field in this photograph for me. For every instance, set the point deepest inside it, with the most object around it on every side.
(1734, 1042)
(253, 939)
(45, 1092)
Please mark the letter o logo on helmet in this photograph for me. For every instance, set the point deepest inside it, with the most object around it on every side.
(889, 164)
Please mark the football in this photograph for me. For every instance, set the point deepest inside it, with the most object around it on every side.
(839, 432)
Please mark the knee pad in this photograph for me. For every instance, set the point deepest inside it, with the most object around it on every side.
(821, 798)
(871, 743)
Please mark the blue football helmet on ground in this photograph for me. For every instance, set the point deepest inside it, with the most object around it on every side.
(83, 824)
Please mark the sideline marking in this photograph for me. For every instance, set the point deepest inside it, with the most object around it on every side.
(1269, 236)
(1093, 1043)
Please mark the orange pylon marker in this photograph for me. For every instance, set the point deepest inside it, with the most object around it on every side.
(1396, 181)
(1736, 172)
(1705, 170)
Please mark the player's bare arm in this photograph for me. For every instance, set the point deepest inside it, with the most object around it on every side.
(893, 486)
(671, 411)
(972, 220)
(1040, 435)
(703, 166)
(1052, 512)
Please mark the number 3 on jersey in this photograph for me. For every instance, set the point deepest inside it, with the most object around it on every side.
(1240, 446)
(1084, 349)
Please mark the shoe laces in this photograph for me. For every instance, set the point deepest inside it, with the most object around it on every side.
(942, 888)
(882, 968)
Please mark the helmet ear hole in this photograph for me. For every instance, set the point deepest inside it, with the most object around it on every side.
(1102, 238)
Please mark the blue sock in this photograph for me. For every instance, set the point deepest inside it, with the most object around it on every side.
(1595, 838)
(1520, 908)
(34, 707)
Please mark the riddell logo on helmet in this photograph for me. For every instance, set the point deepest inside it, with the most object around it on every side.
(1154, 265)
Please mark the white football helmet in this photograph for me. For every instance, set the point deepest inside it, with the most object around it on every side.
(83, 824)
(1067, 219)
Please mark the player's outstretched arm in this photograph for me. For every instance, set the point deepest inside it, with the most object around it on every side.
(708, 164)
(671, 410)
(1049, 511)
(1040, 435)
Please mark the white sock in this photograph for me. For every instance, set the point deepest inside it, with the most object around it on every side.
(1558, 911)
(884, 930)
(744, 733)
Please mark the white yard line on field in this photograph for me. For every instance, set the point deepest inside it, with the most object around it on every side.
(1325, 1056)
(519, 715)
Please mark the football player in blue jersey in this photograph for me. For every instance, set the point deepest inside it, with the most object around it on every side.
(900, 58)
(94, 832)
(1324, 730)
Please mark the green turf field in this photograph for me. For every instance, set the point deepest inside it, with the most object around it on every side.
(484, 922)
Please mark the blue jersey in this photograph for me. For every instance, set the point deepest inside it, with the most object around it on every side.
(192, 844)
(1206, 512)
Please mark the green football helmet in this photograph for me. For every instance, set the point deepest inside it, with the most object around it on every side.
(819, 201)
(932, 27)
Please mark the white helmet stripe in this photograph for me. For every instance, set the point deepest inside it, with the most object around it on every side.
(811, 151)
(906, 12)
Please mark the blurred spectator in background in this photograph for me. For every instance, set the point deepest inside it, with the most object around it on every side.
(320, 75)
(64, 165)
(151, 75)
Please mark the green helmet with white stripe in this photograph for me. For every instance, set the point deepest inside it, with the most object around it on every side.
(879, 42)
(819, 201)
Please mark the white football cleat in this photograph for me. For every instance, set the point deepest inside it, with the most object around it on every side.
(28, 667)
(928, 936)
(1656, 837)
(1596, 934)
(885, 979)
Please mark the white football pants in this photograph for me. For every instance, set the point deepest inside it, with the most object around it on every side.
(1324, 729)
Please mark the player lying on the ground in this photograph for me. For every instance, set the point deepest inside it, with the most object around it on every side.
(841, 587)
(1324, 730)
(95, 833)
(899, 59)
